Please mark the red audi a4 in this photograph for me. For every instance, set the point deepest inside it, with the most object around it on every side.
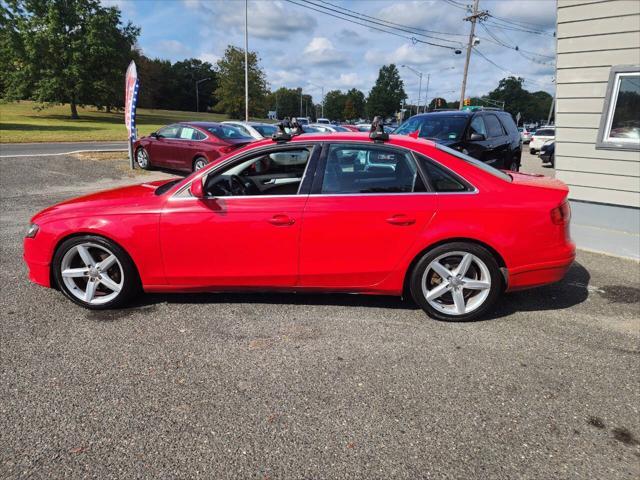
(188, 146)
(318, 212)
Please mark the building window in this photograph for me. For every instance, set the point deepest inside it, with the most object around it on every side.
(620, 122)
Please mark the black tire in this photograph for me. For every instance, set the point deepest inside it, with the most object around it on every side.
(129, 279)
(511, 164)
(532, 151)
(141, 151)
(419, 271)
(199, 161)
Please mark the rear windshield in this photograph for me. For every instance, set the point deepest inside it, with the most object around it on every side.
(547, 132)
(476, 163)
(227, 132)
(435, 127)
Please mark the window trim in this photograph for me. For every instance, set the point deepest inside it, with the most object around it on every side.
(603, 141)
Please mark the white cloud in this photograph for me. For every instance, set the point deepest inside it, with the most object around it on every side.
(320, 51)
(212, 58)
(267, 20)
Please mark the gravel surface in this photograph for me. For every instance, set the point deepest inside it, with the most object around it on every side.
(272, 386)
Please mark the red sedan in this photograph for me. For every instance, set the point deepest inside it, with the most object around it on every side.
(339, 212)
(188, 146)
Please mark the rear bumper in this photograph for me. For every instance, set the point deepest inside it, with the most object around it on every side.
(538, 274)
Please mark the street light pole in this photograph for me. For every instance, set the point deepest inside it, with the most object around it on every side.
(419, 73)
(198, 82)
(246, 60)
(426, 94)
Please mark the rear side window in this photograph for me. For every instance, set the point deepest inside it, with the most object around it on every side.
(369, 169)
(475, 162)
(508, 124)
(439, 178)
(494, 128)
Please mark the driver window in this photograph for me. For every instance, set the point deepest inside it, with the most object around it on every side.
(272, 173)
(169, 132)
(477, 126)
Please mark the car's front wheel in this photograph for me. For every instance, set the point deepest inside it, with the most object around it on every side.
(95, 272)
(142, 158)
(458, 281)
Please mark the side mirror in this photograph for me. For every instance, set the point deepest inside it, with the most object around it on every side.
(196, 189)
(153, 134)
(477, 137)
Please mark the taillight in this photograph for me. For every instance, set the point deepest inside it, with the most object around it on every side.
(561, 214)
(228, 149)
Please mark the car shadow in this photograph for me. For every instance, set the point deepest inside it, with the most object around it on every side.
(571, 291)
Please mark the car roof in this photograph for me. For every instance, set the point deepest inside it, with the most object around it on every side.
(202, 124)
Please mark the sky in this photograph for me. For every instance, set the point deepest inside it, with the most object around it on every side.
(300, 47)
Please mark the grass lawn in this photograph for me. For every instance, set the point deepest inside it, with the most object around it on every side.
(20, 122)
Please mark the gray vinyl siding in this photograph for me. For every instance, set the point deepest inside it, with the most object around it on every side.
(593, 36)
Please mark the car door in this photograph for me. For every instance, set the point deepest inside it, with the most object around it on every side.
(367, 206)
(232, 240)
(498, 142)
(165, 146)
(477, 147)
(190, 145)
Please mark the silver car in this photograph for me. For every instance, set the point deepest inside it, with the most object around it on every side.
(257, 130)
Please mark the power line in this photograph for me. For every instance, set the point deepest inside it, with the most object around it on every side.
(417, 29)
(516, 48)
(412, 39)
(482, 55)
(401, 28)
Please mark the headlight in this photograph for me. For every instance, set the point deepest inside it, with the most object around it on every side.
(33, 229)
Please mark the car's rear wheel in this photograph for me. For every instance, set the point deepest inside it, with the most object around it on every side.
(458, 281)
(532, 151)
(198, 163)
(95, 272)
(142, 158)
(511, 164)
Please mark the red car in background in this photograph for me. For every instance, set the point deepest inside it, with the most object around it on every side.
(188, 146)
(342, 212)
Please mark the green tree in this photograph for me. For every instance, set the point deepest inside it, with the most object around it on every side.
(69, 51)
(387, 94)
(357, 99)
(532, 106)
(230, 90)
(438, 102)
(334, 102)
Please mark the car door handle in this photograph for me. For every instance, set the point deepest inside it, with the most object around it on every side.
(282, 220)
(401, 220)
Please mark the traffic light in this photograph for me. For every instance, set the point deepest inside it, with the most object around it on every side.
(467, 102)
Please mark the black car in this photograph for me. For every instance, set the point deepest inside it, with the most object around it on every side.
(488, 135)
(548, 152)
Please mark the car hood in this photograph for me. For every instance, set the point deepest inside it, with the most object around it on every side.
(118, 200)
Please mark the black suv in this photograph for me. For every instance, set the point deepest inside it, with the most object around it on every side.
(488, 135)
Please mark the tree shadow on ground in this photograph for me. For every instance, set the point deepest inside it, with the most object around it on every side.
(571, 291)
(45, 128)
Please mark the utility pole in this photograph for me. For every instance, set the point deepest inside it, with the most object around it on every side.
(426, 95)
(198, 82)
(471, 18)
(246, 60)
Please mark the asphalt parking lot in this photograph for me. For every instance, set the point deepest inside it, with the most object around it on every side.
(309, 386)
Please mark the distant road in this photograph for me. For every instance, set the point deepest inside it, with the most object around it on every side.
(45, 149)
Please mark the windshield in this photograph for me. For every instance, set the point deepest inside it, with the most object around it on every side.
(476, 163)
(227, 132)
(436, 127)
(266, 130)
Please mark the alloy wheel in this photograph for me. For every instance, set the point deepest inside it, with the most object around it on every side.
(92, 273)
(199, 163)
(456, 283)
(142, 158)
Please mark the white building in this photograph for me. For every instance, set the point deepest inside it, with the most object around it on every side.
(598, 121)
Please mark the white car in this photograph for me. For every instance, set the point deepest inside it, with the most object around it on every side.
(256, 130)
(328, 128)
(324, 121)
(540, 137)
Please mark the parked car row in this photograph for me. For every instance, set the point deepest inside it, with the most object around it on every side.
(486, 134)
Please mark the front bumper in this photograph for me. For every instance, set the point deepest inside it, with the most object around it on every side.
(37, 262)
